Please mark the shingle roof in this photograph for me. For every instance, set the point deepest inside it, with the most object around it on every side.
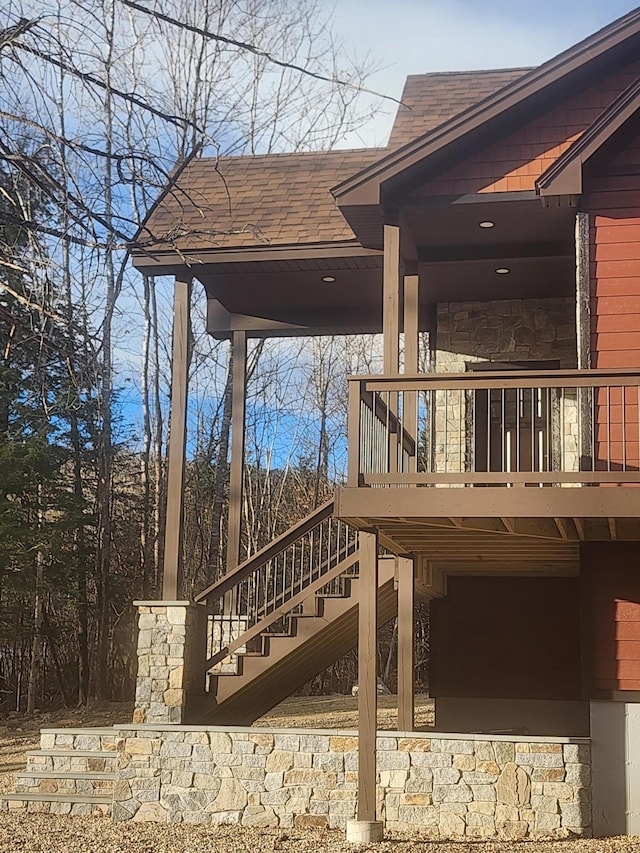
(272, 199)
(430, 99)
(284, 199)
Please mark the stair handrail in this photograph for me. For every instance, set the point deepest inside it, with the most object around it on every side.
(279, 612)
(231, 579)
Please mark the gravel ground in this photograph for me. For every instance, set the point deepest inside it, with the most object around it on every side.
(48, 834)
(33, 833)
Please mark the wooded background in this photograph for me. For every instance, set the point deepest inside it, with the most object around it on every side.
(100, 100)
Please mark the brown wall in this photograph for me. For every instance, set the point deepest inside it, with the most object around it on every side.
(511, 637)
(610, 591)
(515, 162)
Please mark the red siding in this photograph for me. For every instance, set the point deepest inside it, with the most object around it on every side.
(516, 638)
(613, 202)
(515, 162)
(610, 582)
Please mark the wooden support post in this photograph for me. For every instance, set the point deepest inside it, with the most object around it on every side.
(391, 327)
(236, 474)
(391, 300)
(172, 568)
(411, 351)
(367, 674)
(406, 622)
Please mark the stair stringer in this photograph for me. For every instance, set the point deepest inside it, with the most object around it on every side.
(317, 642)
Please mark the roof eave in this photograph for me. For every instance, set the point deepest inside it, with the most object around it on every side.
(564, 177)
(365, 186)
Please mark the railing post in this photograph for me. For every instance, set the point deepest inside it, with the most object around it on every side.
(354, 438)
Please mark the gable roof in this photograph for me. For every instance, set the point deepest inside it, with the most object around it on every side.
(285, 199)
(564, 177)
(475, 123)
(428, 100)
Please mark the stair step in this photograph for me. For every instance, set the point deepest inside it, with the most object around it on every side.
(89, 730)
(98, 799)
(73, 753)
(67, 774)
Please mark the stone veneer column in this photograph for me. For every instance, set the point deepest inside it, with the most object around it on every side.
(166, 634)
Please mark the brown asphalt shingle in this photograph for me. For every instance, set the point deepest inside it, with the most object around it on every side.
(284, 199)
(272, 199)
(428, 100)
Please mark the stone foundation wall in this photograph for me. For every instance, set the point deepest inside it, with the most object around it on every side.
(449, 786)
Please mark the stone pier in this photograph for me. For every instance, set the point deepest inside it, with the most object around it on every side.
(166, 630)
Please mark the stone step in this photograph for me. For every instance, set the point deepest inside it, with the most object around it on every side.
(73, 753)
(73, 804)
(47, 781)
(69, 760)
(89, 730)
(66, 774)
(79, 739)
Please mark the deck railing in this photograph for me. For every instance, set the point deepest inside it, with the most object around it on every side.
(314, 557)
(515, 428)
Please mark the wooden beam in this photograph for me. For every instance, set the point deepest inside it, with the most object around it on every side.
(406, 630)
(563, 528)
(173, 558)
(367, 674)
(391, 300)
(239, 382)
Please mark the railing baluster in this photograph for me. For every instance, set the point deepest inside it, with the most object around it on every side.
(608, 428)
(624, 430)
(638, 424)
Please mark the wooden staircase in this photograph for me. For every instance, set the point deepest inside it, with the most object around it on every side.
(283, 616)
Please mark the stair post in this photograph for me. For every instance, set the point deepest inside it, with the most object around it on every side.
(168, 637)
(406, 630)
(366, 828)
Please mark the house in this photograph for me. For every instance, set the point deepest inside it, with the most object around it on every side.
(494, 474)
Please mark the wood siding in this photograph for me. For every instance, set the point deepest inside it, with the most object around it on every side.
(613, 204)
(516, 638)
(610, 592)
(514, 163)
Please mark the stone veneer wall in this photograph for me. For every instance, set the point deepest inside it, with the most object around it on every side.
(446, 786)
(502, 330)
(505, 330)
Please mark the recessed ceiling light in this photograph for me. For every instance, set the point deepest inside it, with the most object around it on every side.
(487, 223)
(329, 278)
(503, 270)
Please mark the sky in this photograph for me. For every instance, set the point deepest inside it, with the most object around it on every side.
(416, 36)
